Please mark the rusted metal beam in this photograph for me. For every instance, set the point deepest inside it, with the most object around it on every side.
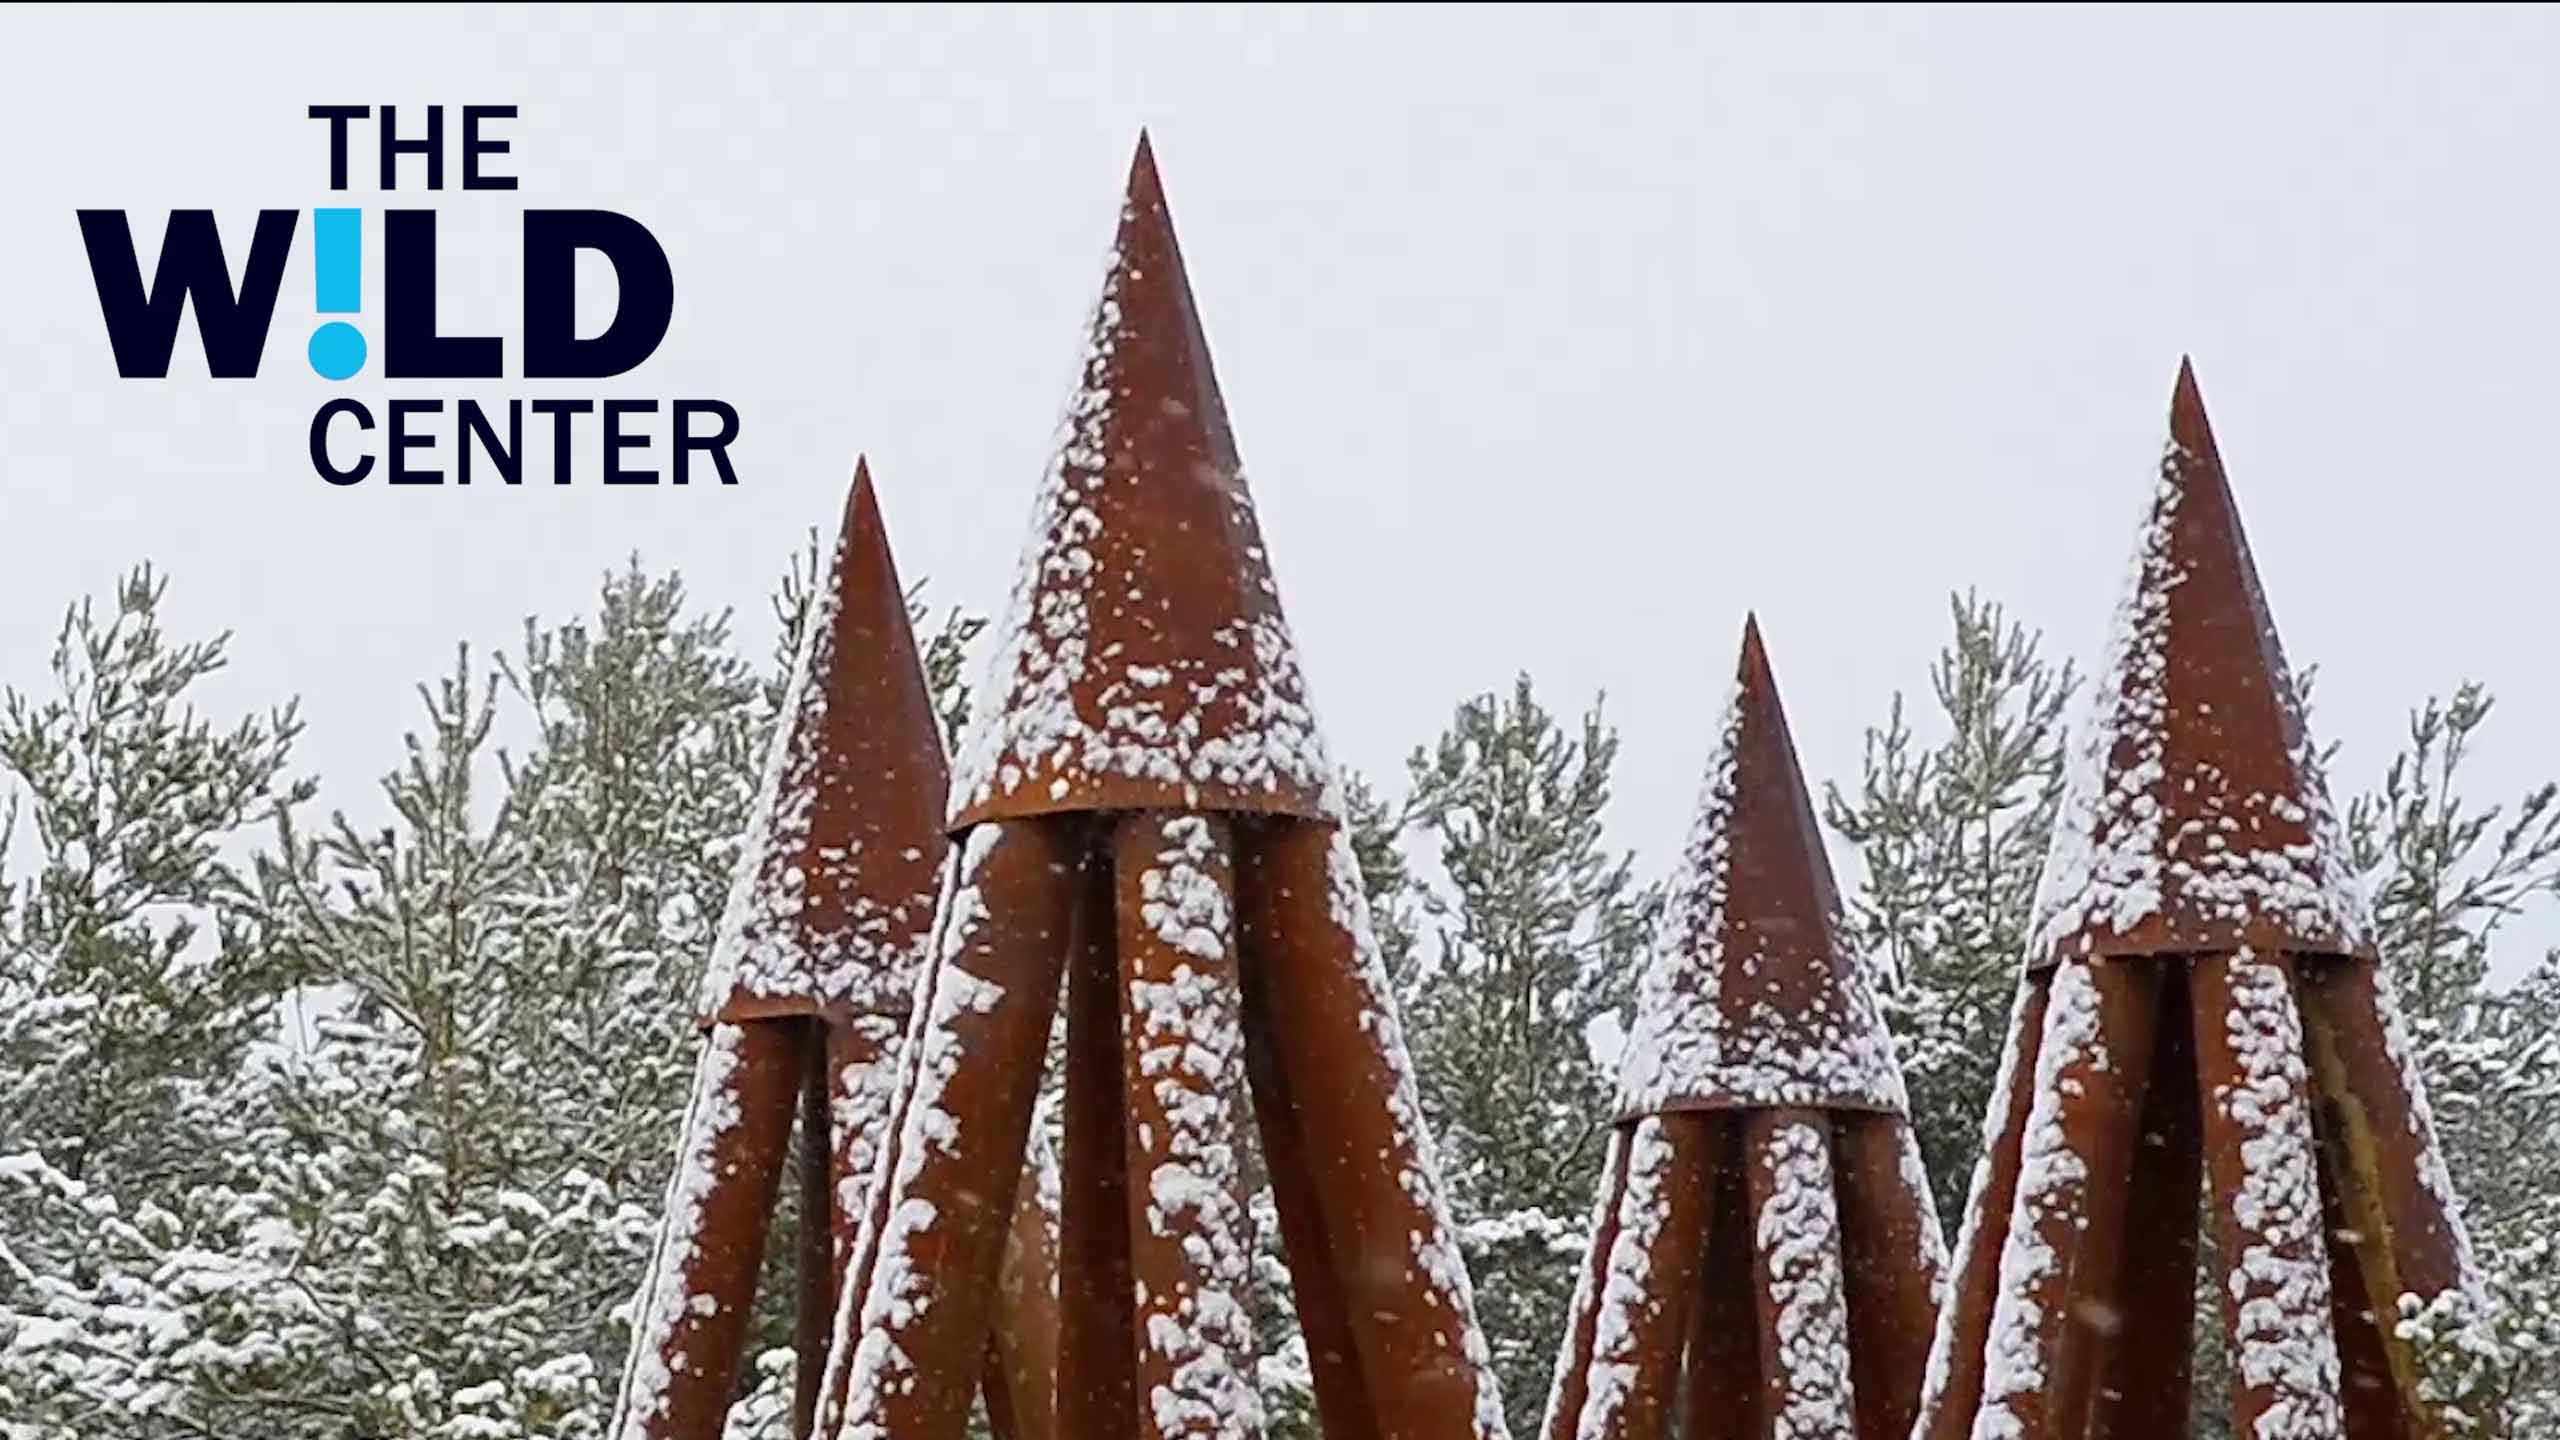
(864, 1056)
(2058, 1310)
(1797, 1288)
(690, 1328)
(1181, 1016)
(1097, 1364)
(927, 1310)
(1022, 1356)
(2376, 1405)
(1893, 1263)
(1324, 1321)
(1722, 1394)
(2147, 1388)
(2385, 1166)
(1403, 1288)
(815, 1311)
(2264, 1161)
(1960, 1349)
(1648, 1278)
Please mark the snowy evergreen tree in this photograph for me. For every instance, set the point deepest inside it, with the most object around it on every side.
(139, 912)
(135, 985)
(1951, 834)
(478, 1130)
(2446, 877)
(1534, 935)
(1398, 900)
(434, 1197)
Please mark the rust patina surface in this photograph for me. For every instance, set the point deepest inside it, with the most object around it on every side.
(804, 1004)
(2204, 1035)
(1144, 732)
(1763, 1244)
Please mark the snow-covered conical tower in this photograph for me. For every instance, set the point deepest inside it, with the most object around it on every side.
(2202, 1018)
(1145, 819)
(803, 1005)
(1765, 1258)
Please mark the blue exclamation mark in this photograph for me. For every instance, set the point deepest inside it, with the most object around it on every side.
(337, 253)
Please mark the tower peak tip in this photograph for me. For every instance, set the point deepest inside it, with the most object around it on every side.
(1754, 669)
(1797, 1025)
(1145, 184)
(1142, 662)
(862, 502)
(2195, 815)
(2189, 427)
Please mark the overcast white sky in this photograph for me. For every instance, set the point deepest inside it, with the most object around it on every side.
(1552, 340)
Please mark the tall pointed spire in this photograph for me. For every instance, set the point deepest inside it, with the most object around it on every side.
(1143, 661)
(1144, 671)
(1765, 1257)
(2195, 816)
(807, 992)
(1751, 999)
(2201, 1011)
(830, 907)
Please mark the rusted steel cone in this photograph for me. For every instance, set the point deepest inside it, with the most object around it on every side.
(1145, 717)
(1143, 663)
(805, 997)
(2202, 1000)
(1764, 1241)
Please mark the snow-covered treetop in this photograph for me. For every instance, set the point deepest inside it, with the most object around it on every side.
(1143, 661)
(2195, 816)
(1752, 998)
(835, 884)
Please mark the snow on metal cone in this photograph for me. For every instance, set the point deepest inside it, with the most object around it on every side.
(803, 1002)
(2196, 815)
(1751, 998)
(1143, 661)
(2202, 1014)
(1765, 1256)
(1145, 671)
(835, 888)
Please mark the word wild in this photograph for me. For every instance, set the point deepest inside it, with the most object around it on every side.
(349, 440)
